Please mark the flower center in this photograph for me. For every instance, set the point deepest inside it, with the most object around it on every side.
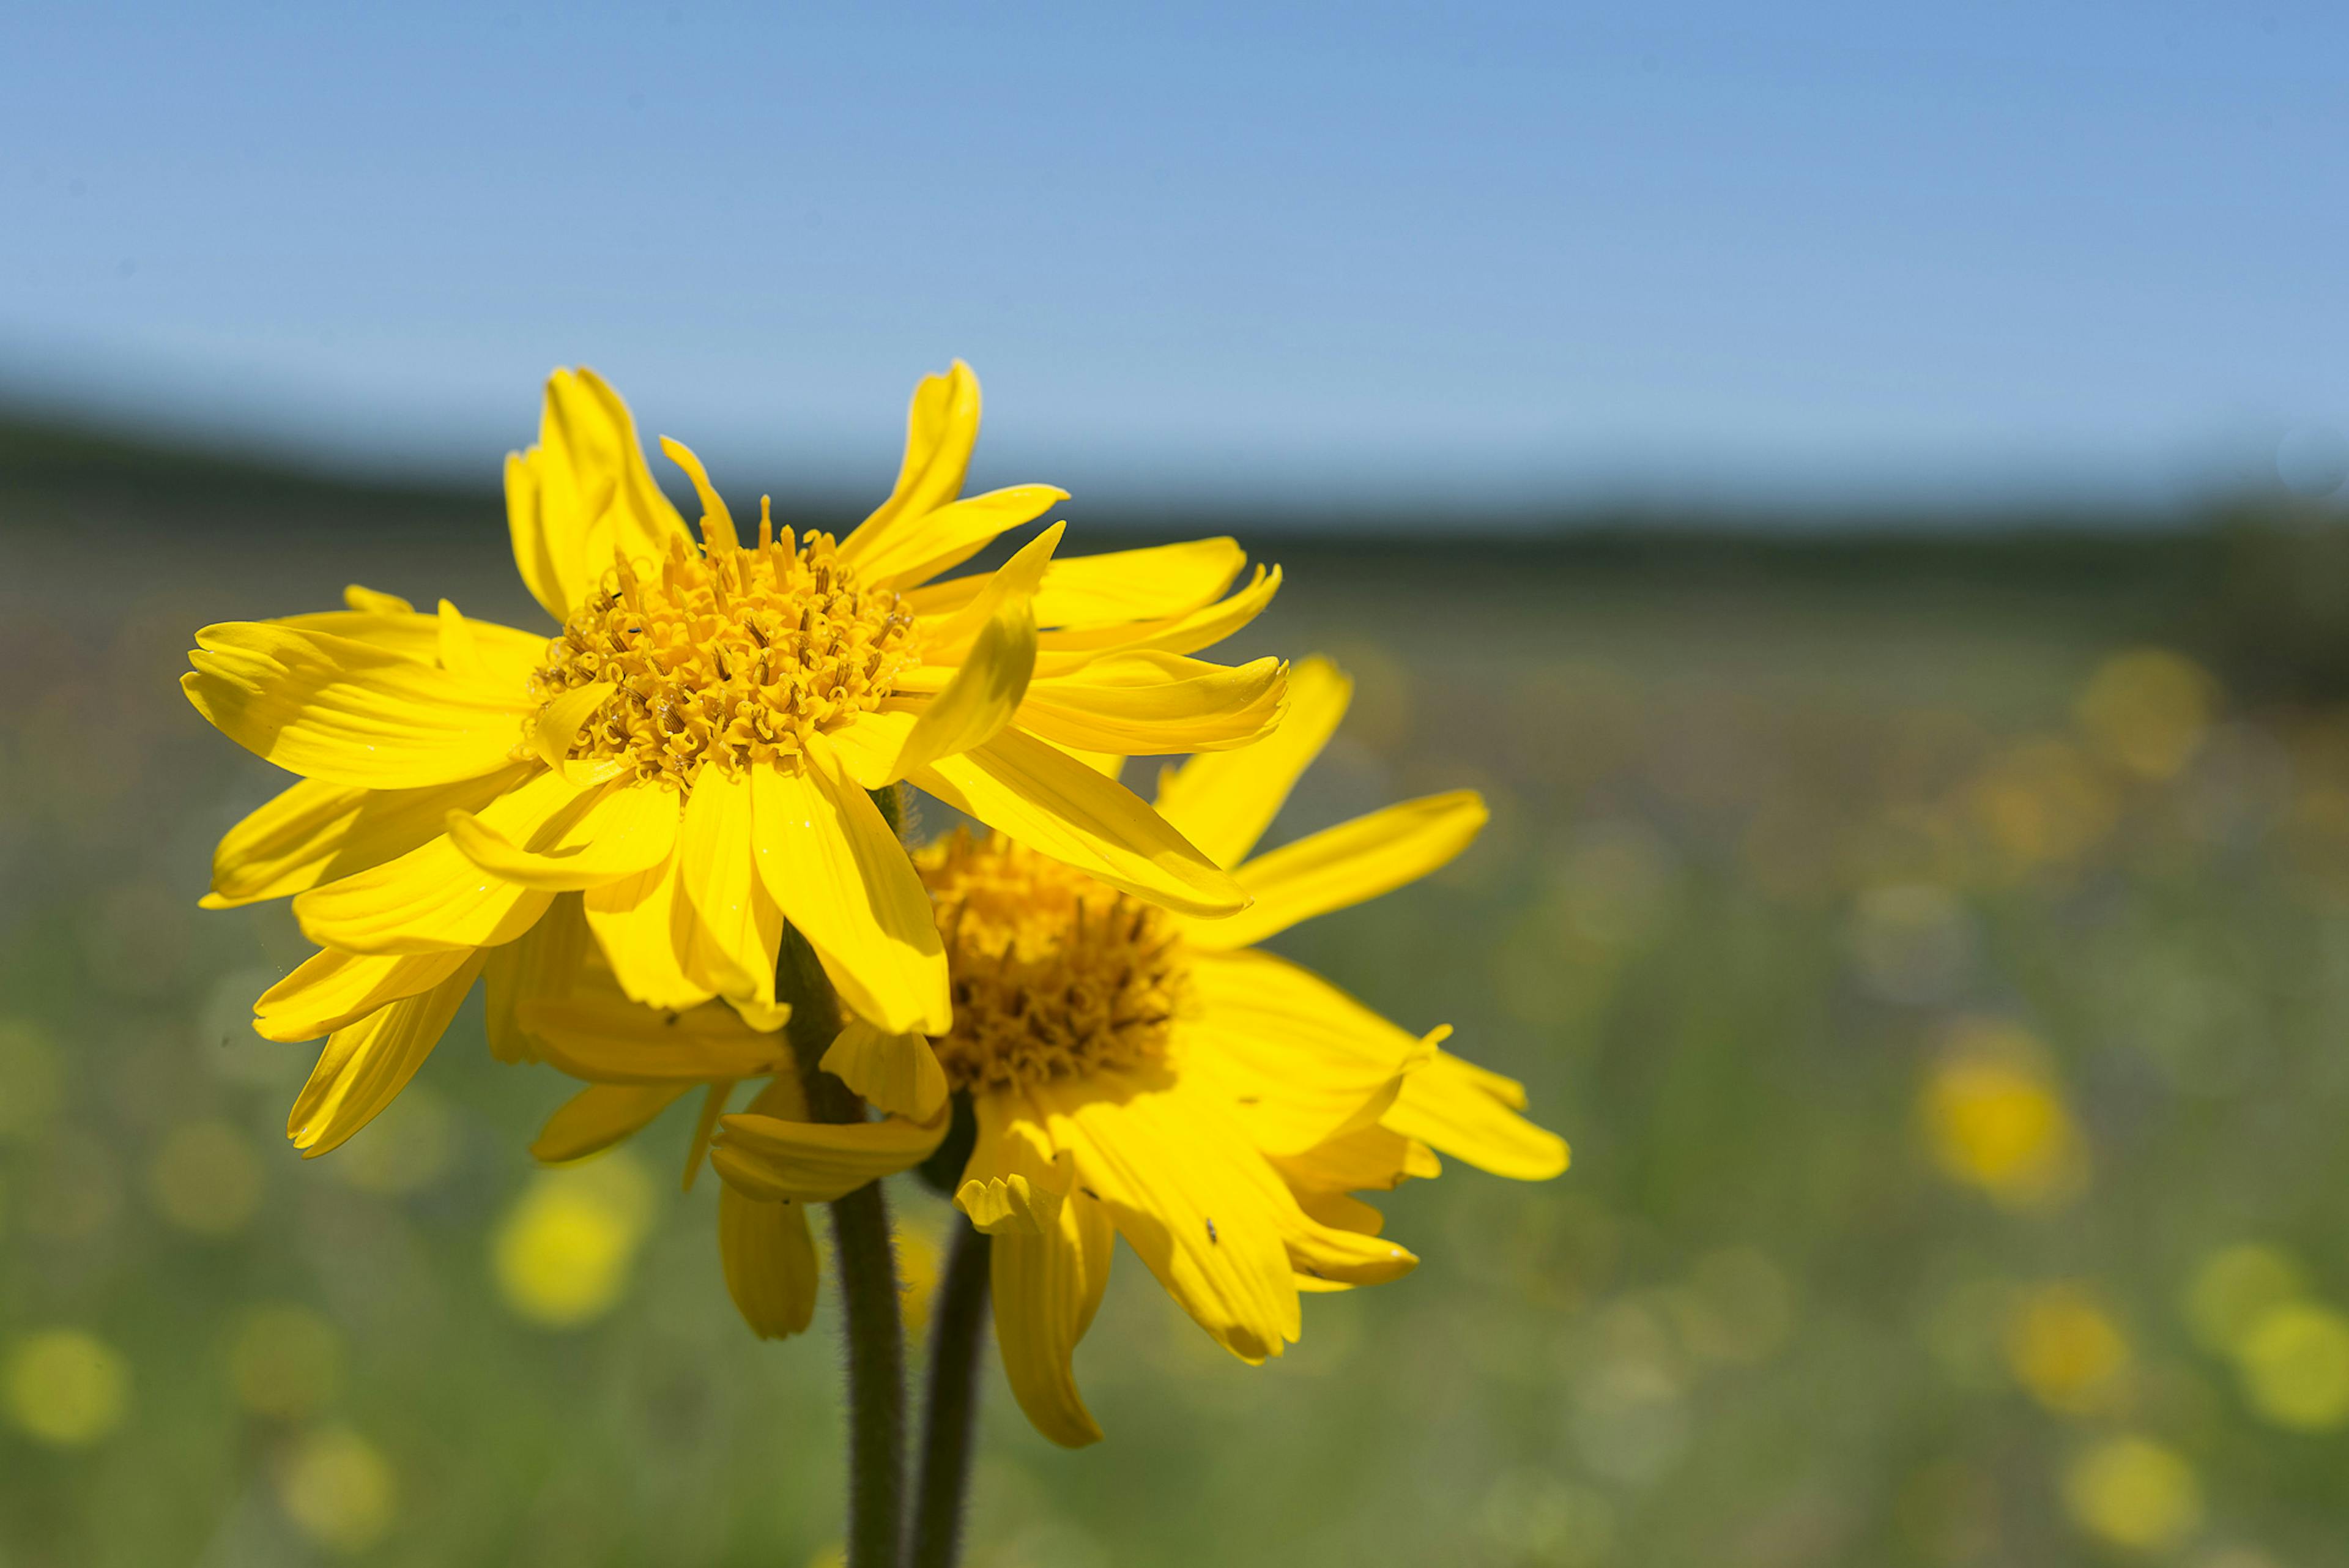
(1054, 974)
(731, 657)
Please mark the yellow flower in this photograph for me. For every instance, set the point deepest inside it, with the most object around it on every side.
(685, 765)
(1995, 1119)
(1139, 1072)
(2134, 1492)
(2066, 1350)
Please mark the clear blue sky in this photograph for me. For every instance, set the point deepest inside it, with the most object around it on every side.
(1350, 254)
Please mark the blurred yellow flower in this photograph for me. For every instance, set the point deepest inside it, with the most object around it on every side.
(66, 1387)
(2294, 1360)
(206, 1177)
(2041, 804)
(2147, 711)
(1995, 1118)
(285, 1361)
(2065, 1349)
(339, 1490)
(685, 764)
(2134, 1492)
(2233, 1288)
(562, 1252)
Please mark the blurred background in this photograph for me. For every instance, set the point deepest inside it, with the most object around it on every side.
(1860, 492)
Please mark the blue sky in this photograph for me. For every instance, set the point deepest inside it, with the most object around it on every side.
(1365, 256)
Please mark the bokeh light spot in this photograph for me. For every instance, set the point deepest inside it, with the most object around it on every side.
(66, 1387)
(2134, 1492)
(285, 1361)
(2233, 1288)
(2147, 711)
(562, 1252)
(1996, 1119)
(2065, 1349)
(339, 1490)
(206, 1179)
(2295, 1366)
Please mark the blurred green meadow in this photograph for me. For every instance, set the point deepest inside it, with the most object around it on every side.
(1936, 956)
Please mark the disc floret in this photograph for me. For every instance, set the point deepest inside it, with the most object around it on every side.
(1055, 974)
(732, 656)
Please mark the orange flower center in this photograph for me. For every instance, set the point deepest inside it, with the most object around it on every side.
(733, 656)
(1055, 975)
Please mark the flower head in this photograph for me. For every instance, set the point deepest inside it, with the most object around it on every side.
(1129, 1070)
(683, 767)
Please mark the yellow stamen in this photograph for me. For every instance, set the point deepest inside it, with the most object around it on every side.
(1054, 974)
(734, 657)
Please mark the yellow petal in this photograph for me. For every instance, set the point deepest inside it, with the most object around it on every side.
(815, 1162)
(1469, 1114)
(1340, 1212)
(1337, 1255)
(631, 1044)
(600, 1116)
(737, 929)
(582, 493)
(336, 708)
(369, 1063)
(1155, 704)
(845, 883)
(530, 523)
(1120, 589)
(917, 548)
(1186, 633)
(1057, 805)
(997, 658)
(1358, 1159)
(1346, 865)
(315, 832)
(769, 1262)
(458, 653)
(941, 427)
(332, 988)
(868, 747)
(1224, 802)
(1299, 1059)
(1012, 1181)
(504, 657)
(546, 964)
(894, 1073)
(1191, 1196)
(432, 898)
(1046, 1288)
(643, 926)
(718, 530)
(1127, 586)
(623, 828)
(369, 601)
(551, 731)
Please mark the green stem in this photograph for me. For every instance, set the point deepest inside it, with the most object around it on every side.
(868, 1284)
(959, 1324)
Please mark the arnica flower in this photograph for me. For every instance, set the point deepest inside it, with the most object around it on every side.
(1131, 1071)
(683, 767)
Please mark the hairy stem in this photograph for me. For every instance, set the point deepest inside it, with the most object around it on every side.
(950, 1421)
(868, 1282)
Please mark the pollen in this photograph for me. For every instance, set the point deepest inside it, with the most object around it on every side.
(734, 657)
(1055, 975)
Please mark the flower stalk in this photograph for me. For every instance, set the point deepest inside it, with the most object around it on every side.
(874, 1329)
(950, 1419)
